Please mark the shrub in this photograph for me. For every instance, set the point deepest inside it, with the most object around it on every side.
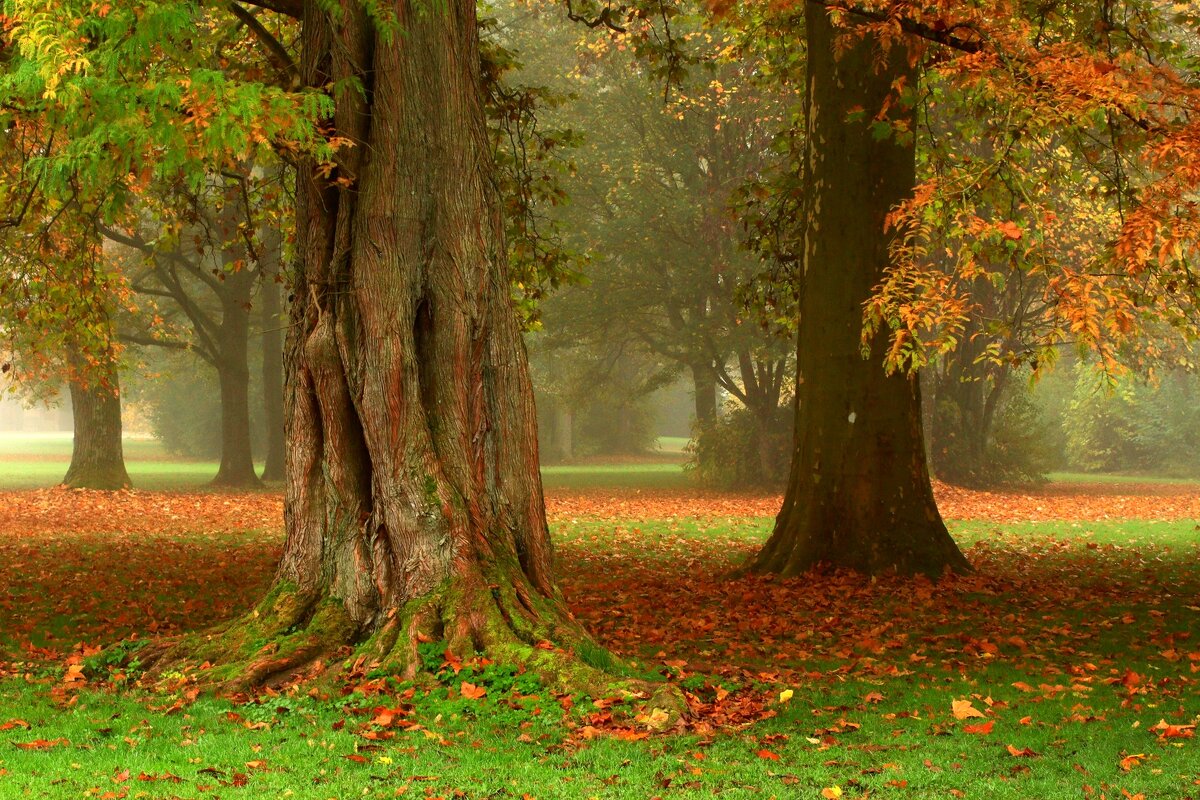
(740, 451)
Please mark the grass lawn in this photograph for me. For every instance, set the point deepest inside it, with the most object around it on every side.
(39, 461)
(1068, 666)
(1097, 477)
(1063, 655)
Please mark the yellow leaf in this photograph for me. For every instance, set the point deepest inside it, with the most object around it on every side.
(831, 792)
(785, 695)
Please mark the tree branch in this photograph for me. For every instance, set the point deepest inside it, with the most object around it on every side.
(289, 8)
(276, 52)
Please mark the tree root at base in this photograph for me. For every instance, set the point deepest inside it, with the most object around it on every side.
(289, 639)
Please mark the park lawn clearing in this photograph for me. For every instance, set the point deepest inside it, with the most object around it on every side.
(1075, 649)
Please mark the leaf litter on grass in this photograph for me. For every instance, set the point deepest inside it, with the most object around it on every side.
(1053, 632)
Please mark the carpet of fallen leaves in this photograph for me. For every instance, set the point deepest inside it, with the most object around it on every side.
(52, 511)
(93, 567)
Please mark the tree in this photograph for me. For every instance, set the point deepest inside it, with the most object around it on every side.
(41, 238)
(209, 271)
(413, 502)
(97, 456)
(652, 201)
(859, 494)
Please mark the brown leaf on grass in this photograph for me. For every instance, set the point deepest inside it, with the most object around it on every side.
(963, 709)
(1024, 752)
(41, 744)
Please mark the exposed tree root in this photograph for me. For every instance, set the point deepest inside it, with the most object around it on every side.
(289, 639)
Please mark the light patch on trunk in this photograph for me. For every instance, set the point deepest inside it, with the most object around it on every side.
(852, 417)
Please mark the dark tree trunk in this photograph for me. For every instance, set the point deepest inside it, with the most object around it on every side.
(272, 365)
(233, 374)
(97, 459)
(413, 501)
(704, 381)
(859, 493)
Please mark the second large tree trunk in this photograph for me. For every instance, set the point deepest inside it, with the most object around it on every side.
(97, 458)
(859, 494)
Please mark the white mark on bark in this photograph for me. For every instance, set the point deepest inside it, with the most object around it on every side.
(852, 417)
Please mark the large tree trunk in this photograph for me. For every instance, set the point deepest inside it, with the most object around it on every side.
(859, 494)
(233, 373)
(97, 459)
(272, 363)
(413, 501)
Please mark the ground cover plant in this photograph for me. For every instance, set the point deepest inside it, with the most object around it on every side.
(1066, 666)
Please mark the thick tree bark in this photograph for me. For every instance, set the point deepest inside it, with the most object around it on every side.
(233, 374)
(272, 362)
(859, 494)
(413, 501)
(97, 458)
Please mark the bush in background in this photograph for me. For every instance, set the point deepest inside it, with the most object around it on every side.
(739, 451)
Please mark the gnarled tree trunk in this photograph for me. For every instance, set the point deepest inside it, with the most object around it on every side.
(413, 500)
(859, 494)
(97, 458)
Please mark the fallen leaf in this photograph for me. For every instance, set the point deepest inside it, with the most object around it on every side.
(963, 709)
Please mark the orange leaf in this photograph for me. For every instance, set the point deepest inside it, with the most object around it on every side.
(1023, 753)
(472, 692)
(768, 754)
(1010, 229)
(41, 744)
(1129, 762)
(963, 709)
(983, 727)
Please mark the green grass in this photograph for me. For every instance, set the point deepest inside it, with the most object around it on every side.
(904, 745)
(874, 726)
(616, 476)
(1097, 477)
(39, 461)
(672, 444)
